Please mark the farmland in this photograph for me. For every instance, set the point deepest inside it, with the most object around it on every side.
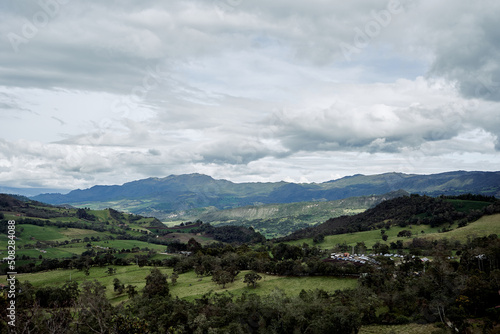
(189, 286)
(148, 267)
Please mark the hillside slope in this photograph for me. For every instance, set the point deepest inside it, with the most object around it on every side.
(403, 211)
(160, 197)
(276, 220)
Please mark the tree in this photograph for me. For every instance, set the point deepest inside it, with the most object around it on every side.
(360, 247)
(199, 270)
(118, 286)
(86, 270)
(318, 238)
(128, 324)
(193, 245)
(174, 278)
(141, 260)
(131, 291)
(111, 271)
(222, 277)
(405, 233)
(93, 308)
(252, 278)
(156, 284)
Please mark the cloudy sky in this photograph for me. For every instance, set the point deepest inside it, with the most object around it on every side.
(106, 92)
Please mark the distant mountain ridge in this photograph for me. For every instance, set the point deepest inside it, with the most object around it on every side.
(190, 191)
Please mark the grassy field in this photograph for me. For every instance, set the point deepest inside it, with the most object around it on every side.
(30, 234)
(188, 286)
(129, 244)
(484, 226)
(368, 237)
(184, 238)
(77, 233)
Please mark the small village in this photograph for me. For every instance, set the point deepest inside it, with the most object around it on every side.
(369, 258)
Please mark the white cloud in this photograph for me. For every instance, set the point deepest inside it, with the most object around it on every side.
(107, 92)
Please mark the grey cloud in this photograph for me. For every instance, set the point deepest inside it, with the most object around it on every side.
(94, 46)
(234, 151)
(198, 85)
(345, 130)
(461, 41)
(154, 152)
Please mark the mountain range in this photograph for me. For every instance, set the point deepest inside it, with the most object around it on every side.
(161, 197)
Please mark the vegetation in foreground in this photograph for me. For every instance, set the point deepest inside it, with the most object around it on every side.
(188, 285)
(460, 295)
(458, 289)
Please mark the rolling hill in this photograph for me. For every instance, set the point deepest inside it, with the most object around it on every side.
(163, 197)
(406, 211)
(275, 220)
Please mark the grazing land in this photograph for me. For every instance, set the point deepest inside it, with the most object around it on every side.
(231, 277)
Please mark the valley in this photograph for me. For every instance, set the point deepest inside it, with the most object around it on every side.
(60, 249)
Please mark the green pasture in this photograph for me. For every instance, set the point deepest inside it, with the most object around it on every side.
(77, 233)
(486, 225)
(188, 286)
(30, 234)
(51, 253)
(42, 233)
(368, 237)
(133, 275)
(128, 244)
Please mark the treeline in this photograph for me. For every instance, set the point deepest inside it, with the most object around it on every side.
(227, 234)
(88, 259)
(473, 197)
(401, 211)
(273, 226)
(279, 259)
(458, 294)
(231, 234)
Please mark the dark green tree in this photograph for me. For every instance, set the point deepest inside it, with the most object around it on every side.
(174, 278)
(131, 291)
(156, 284)
(118, 286)
(252, 278)
(222, 277)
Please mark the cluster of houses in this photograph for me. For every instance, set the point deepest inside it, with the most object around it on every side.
(354, 258)
(363, 259)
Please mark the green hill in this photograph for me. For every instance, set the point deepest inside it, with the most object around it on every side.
(405, 211)
(45, 232)
(275, 220)
(169, 197)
